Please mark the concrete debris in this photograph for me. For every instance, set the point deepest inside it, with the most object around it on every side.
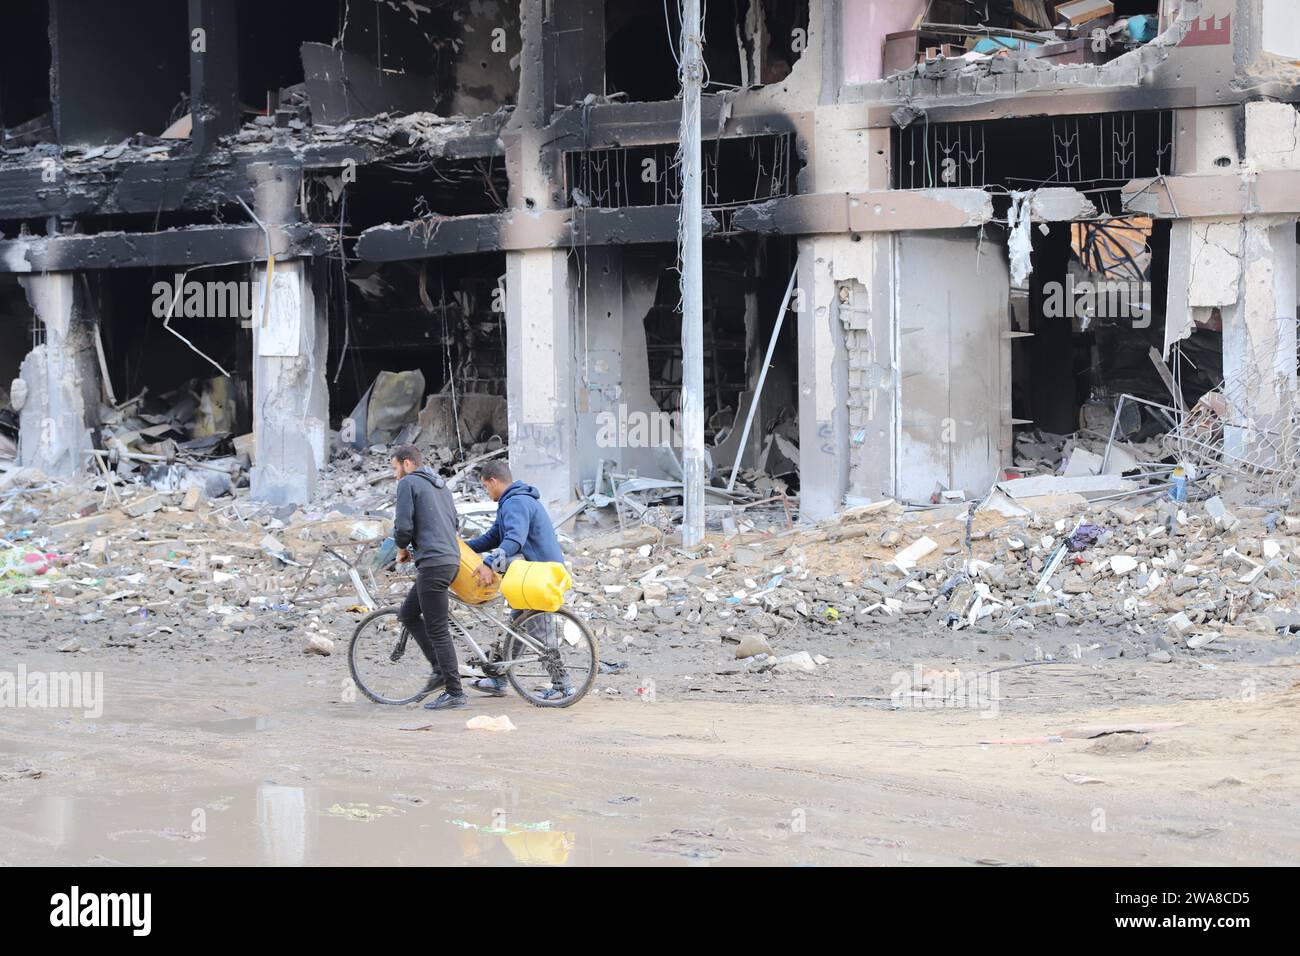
(1090, 486)
(109, 549)
(1069, 40)
(1215, 508)
(1164, 579)
(1167, 581)
(914, 552)
(1179, 626)
(799, 661)
(1121, 564)
(320, 645)
(751, 645)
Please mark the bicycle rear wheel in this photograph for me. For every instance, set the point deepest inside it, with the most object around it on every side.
(561, 673)
(386, 662)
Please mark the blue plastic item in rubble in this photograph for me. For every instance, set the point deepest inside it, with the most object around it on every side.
(1142, 27)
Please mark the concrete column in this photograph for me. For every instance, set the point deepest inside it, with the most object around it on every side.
(1259, 331)
(953, 383)
(848, 370)
(214, 71)
(290, 395)
(540, 372)
(1245, 267)
(1259, 336)
(58, 387)
(290, 339)
(616, 417)
(823, 381)
(1203, 253)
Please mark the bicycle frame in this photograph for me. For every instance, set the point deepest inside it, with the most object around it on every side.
(492, 620)
(484, 617)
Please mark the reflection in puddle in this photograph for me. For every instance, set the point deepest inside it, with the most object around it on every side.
(55, 820)
(282, 820)
(280, 825)
(529, 843)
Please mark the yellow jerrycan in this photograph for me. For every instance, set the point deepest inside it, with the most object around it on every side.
(535, 585)
(466, 584)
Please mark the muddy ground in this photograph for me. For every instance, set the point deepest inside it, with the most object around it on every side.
(245, 750)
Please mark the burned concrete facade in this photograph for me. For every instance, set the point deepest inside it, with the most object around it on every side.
(485, 193)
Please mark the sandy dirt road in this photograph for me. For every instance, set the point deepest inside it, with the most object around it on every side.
(194, 763)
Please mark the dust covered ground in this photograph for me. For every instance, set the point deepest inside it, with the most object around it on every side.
(1030, 682)
(249, 751)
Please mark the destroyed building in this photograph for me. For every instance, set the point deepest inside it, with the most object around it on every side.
(327, 222)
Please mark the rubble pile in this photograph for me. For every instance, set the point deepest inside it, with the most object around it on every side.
(1135, 572)
(1161, 578)
(145, 566)
(1081, 32)
(1042, 453)
(1268, 463)
(176, 441)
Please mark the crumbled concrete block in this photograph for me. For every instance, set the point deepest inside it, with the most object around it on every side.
(906, 559)
(800, 661)
(1121, 564)
(752, 645)
(320, 645)
(1178, 626)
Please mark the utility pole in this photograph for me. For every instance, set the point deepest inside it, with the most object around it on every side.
(691, 249)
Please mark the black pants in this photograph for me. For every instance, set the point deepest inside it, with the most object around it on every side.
(424, 612)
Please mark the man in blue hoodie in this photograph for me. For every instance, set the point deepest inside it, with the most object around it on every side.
(522, 529)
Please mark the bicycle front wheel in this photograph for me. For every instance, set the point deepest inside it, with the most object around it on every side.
(560, 667)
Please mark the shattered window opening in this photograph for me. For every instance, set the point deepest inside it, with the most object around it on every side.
(1087, 150)
(747, 43)
(736, 172)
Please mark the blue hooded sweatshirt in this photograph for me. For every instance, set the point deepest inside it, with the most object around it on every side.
(522, 527)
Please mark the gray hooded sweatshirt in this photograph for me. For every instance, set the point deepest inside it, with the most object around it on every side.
(425, 522)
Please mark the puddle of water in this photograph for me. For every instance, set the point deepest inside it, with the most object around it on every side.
(280, 825)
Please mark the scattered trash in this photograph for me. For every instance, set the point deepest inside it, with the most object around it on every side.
(1084, 537)
(499, 725)
(1178, 492)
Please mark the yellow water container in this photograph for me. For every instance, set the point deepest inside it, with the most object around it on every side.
(466, 585)
(535, 585)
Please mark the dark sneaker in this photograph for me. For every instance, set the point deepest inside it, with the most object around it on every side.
(492, 686)
(436, 682)
(446, 702)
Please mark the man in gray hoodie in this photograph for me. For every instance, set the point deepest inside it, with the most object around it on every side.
(424, 529)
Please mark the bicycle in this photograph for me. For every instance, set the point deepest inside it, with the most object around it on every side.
(539, 651)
